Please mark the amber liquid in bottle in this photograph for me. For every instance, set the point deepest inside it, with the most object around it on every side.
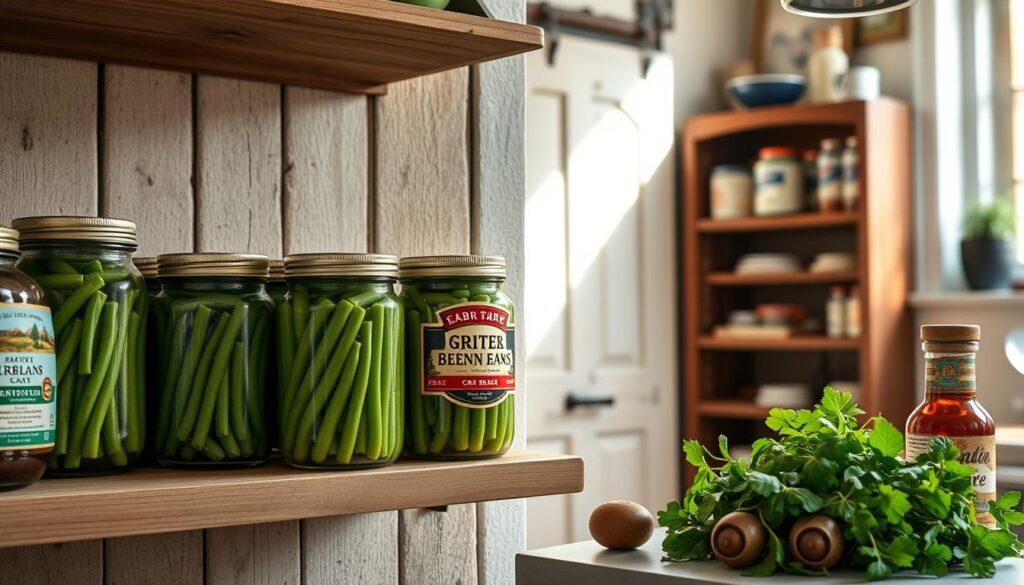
(951, 408)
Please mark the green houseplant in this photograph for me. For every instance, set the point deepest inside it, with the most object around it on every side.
(987, 247)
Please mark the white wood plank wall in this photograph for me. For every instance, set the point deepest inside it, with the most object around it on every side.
(213, 164)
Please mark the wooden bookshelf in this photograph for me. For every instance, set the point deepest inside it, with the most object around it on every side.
(153, 500)
(343, 45)
(720, 372)
(794, 278)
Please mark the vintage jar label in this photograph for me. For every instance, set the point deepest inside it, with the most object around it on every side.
(950, 375)
(469, 355)
(28, 377)
(977, 452)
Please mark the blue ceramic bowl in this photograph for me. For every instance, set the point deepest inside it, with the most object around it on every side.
(773, 89)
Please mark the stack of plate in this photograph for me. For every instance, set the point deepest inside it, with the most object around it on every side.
(834, 262)
(767, 264)
(784, 396)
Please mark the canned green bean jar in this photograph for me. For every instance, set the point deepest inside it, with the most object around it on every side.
(460, 357)
(339, 352)
(99, 304)
(214, 329)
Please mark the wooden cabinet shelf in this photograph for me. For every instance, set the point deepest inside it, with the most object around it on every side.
(343, 45)
(732, 409)
(801, 343)
(151, 500)
(733, 279)
(802, 221)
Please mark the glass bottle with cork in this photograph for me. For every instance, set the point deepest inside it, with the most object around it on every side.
(951, 409)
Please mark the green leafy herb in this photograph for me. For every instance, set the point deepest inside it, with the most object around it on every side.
(895, 514)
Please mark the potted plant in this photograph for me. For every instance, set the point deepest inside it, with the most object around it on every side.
(987, 248)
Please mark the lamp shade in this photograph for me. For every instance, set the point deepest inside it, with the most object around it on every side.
(844, 8)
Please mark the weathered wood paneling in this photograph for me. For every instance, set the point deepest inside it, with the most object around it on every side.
(325, 171)
(147, 155)
(499, 190)
(422, 207)
(351, 549)
(175, 558)
(238, 174)
(257, 554)
(48, 165)
(422, 160)
(47, 136)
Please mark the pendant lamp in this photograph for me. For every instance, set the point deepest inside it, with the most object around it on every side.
(844, 8)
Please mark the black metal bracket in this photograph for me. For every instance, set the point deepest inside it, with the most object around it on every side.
(653, 18)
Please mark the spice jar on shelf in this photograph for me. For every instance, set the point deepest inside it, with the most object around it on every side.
(216, 325)
(99, 303)
(732, 192)
(29, 407)
(830, 176)
(835, 313)
(340, 354)
(460, 357)
(851, 174)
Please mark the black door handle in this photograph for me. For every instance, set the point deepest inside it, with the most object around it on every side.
(574, 400)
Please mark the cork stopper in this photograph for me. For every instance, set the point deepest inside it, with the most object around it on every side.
(830, 36)
(950, 333)
(738, 539)
(816, 541)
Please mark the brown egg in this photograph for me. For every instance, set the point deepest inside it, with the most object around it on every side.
(621, 525)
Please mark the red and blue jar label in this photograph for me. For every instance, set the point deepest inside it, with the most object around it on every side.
(28, 377)
(469, 355)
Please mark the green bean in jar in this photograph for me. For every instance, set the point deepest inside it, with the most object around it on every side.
(339, 350)
(99, 299)
(460, 357)
(216, 322)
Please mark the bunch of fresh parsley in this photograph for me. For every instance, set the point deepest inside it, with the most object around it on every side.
(895, 514)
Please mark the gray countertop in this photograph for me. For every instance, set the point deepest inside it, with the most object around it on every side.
(587, 563)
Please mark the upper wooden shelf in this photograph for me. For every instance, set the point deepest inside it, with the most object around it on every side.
(150, 500)
(342, 45)
(802, 221)
(799, 343)
(791, 278)
(732, 409)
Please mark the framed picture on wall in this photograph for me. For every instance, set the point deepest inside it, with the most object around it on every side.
(782, 42)
(882, 28)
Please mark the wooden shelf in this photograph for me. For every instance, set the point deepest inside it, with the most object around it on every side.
(733, 279)
(732, 409)
(802, 343)
(342, 45)
(802, 221)
(150, 500)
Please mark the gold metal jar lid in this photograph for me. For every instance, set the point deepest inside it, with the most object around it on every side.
(950, 333)
(337, 264)
(146, 265)
(104, 230)
(440, 266)
(9, 240)
(276, 270)
(212, 264)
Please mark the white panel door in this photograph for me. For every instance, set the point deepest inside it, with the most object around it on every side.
(599, 278)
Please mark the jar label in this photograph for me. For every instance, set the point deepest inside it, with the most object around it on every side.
(28, 377)
(976, 452)
(469, 355)
(950, 375)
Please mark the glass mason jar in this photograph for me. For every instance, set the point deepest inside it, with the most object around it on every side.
(277, 288)
(29, 380)
(84, 265)
(460, 357)
(339, 334)
(215, 327)
(147, 268)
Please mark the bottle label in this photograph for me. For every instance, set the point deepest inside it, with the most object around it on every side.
(950, 375)
(28, 377)
(469, 355)
(976, 452)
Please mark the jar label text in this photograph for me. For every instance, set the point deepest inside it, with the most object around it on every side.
(28, 377)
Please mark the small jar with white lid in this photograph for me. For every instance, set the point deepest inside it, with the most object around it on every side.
(732, 192)
(780, 182)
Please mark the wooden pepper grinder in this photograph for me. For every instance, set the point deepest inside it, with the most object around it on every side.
(738, 539)
(816, 541)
